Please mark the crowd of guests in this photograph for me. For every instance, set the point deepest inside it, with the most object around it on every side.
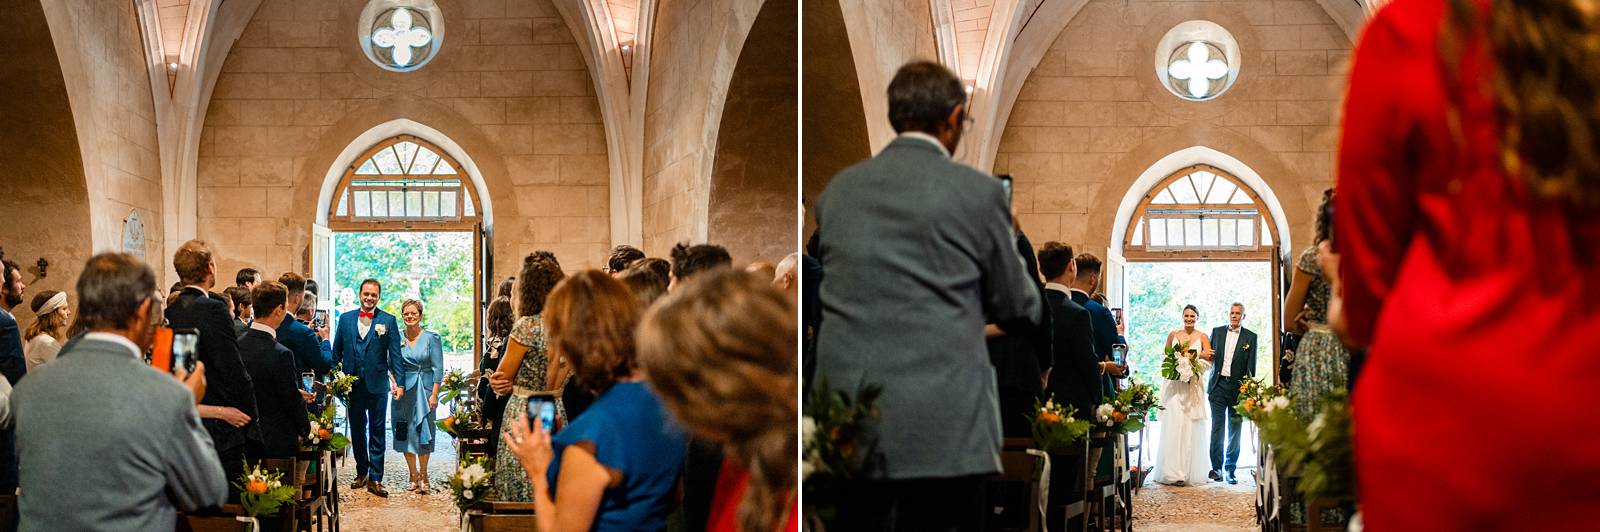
(639, 359)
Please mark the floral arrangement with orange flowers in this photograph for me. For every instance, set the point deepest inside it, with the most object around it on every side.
(323, 437)
(1256, 398)
(262, 492)
(1130, 409)
(1320, 452)
(1054, 428)
(470, 483)
(339, 383)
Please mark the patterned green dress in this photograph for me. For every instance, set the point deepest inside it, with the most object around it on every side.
(1321, 361)
(510, 481)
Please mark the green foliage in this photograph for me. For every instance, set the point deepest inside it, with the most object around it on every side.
(471, 482)
(1054, 428)
(435, 268)
(452, 385)
(1130, 409)
(1320, 452)
(833, 425)
(262, 493)
(1169, 362)
(1157, 292)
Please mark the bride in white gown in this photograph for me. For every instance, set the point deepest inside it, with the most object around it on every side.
(1182, 457)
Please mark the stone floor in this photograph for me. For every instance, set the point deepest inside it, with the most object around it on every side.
(403, 510)
(1210, 507)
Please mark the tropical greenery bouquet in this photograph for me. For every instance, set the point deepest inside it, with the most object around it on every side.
(261, 492)
(1179, 364)
(323, 437)
(339, 384)
(1054, 428)
(470, 483)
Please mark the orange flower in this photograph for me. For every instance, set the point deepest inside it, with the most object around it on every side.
(324, 434)
(1244, 387)
(1250, 404)
(256, 487)
(1118, 416)
(1048, 416)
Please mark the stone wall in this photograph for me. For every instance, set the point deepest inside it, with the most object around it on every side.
(509, 86)
(833, 116)
(694, 50)
(752, 209)
(1092, 116)
(101, 52)
(45, 198)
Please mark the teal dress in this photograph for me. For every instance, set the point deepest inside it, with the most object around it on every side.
(421, 368)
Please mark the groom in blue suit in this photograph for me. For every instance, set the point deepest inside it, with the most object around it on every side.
(368, 345)
(1235, 361)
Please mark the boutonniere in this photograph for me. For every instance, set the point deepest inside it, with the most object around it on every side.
(1245, 346)
(382, 329)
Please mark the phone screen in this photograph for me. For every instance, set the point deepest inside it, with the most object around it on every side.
(306, 380)
(542, 412)
(1119, 354)
(184, 344)
(1118, 313)
(320, 319)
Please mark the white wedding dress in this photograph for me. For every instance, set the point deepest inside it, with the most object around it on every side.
(1184, 453)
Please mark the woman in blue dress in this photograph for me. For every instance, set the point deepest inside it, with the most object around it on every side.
(421, 369)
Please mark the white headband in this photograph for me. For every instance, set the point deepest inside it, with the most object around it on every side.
(56, 302)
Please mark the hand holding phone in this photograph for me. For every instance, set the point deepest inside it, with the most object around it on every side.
(543, 412)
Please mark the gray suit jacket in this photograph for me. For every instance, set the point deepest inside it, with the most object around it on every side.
(920, 254)
(108, 443)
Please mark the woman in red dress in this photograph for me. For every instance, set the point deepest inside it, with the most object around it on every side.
(1469, 172)
(720, 351)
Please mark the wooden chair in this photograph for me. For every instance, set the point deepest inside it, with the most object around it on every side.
(1107, 504)
(501, 516)
(1014, 495)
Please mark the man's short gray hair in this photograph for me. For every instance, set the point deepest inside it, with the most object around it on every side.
(1237, 304)
(308, 304)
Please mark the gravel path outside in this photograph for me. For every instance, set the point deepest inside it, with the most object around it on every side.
(403, 511)
(1210, 507)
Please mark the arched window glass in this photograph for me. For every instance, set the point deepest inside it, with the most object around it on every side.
(1200, 212)
(408, 181)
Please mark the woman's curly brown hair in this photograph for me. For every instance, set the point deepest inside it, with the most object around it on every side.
(720, 351)
(590, 321)
(540, 273)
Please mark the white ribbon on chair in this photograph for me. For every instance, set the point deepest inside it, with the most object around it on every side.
(1044, 490)
(254, 525)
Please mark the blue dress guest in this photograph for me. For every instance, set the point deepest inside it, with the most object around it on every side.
(616, 466)
(421, 369)
(368, 346)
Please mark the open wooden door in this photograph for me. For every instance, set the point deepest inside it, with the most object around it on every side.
(322, 264)
(1280, 279)
(482, 292)
(1116, 279)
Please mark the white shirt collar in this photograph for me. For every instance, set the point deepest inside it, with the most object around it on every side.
(264, 328)
(1085, 294)
(116, 339)
(197, 287)
(926, 138)
(1058, 287)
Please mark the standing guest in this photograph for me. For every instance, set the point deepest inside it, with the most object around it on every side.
(247, 278)
(131, 453)
(786, 278)
(501, 318)
(311, 287)
(763, 269)
(51, 316)
(14, 365)
(661, 267)
(421, 369)
(1100, 318)
(616, 466)
(688, 260)
(621, 257)
(368, 345)
(1321, 361)
(229, 406)
(1466, 232)
(243, 312)
(505, 287)
(645, 282)
(279, 399)
(1075, 377)
(525, 359)
(311, 349)
(1236, 363)
(736, 330)
(920, 253)
(227, 301)
(810, 317)
(1021, 357)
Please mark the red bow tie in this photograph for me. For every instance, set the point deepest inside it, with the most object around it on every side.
(366, 314)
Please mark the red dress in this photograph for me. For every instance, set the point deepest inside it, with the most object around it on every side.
(731, 483)
(1481, 304)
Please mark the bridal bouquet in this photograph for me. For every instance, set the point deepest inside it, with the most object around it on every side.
(1180, 364)
(1054, 429)
(1129, 410)
(470, 483)
(322, 437)
(339, 384)
(262, 493)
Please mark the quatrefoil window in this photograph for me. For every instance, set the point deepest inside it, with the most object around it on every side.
(401, 35)
(1197, 60)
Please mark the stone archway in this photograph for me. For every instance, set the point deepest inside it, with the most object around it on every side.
(833, 102)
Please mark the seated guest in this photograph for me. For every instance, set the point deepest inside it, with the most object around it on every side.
(616, 466)
(51, 315)
(247, 278)
(733, 329)
(311, 351)
(132, 452)
(646, 283)
(621, 257)
(279, 399)
(521, 372)
(242, 311)
(421, 369)
(229, 406)
(494, 348)
(688, 260)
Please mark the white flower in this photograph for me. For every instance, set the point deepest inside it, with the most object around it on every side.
(805, 470)
(1316, 426)
(1276, 403)
(382, 329)
(808, 428)
(1103, 413)
(472, 474)
(466, 494)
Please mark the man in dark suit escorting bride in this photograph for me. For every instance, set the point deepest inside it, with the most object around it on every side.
(1235, 361)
